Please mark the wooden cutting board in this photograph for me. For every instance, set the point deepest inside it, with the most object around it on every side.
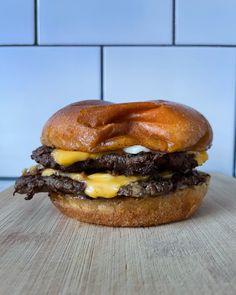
(43, 252)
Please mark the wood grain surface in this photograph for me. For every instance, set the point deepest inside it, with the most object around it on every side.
(43, 252)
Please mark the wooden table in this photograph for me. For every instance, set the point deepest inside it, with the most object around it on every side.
(43, 252)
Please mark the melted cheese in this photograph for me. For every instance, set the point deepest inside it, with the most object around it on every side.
(166, 174)
(201, 157)
(66, 158)
(99, 184)
(32, 170)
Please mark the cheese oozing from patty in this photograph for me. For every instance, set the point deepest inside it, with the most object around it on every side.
(200, 157)
(67, 158)
(98, 184)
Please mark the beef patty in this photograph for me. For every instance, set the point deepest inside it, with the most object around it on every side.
(125, 164)
(153, 186)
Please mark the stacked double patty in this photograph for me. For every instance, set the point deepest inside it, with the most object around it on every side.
(157, 173)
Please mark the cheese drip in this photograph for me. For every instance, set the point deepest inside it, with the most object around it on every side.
(99, 184)
(200, 157)
(67, 158)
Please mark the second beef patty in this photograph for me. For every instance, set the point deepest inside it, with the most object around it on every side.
(121, 163)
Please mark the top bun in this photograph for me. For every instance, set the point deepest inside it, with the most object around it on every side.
(98, 126)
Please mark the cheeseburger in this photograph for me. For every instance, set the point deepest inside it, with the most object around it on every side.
(128, 164)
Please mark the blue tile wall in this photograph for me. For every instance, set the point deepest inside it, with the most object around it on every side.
(35, 82)
(193, 76)
(205, 22)
(105, 21)
(17, 22)
(58, 52)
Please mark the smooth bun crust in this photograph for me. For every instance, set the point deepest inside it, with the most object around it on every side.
(97, 126)
(133, 212)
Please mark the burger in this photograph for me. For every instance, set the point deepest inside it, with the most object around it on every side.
(128, 164)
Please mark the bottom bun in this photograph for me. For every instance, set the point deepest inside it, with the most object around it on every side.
(146, 211)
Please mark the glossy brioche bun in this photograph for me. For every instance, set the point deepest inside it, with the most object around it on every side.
(132, 212)
(97, 126)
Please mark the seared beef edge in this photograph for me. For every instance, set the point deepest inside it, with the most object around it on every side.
(153, 186)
